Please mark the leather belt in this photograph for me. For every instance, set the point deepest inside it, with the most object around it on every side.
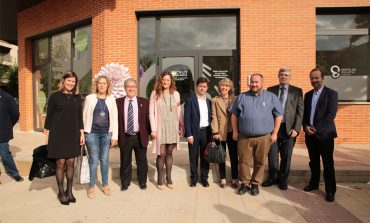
(204, 128)
(132, 134)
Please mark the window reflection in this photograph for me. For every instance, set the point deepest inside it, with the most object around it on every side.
(198, 33)
(82, 61)
(147, 56)
(349, 21)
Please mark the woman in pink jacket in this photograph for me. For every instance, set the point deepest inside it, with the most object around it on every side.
(167, 124)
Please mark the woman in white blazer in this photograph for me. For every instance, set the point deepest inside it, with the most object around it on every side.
(101, 131)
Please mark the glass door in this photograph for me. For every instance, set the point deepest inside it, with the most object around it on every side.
(183, 69)
(216, 66)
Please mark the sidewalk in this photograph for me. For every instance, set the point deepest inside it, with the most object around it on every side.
(36, 201)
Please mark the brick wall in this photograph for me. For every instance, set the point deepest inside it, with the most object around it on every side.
(272, 34)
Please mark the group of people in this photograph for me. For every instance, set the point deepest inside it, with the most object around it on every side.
(254, 125)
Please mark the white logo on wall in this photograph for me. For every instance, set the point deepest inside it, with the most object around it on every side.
(336, 71)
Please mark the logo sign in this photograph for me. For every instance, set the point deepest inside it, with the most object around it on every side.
(336, 71)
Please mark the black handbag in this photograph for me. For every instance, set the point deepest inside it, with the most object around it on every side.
(42, 166)
(214, 152)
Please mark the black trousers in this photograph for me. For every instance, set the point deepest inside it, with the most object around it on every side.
(283, 146)
(325, 149)
(197, 150)
(232, 146)
(126, 159)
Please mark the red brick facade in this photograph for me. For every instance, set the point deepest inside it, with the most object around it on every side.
(272, 34)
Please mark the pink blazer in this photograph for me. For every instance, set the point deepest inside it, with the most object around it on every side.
(155, 118)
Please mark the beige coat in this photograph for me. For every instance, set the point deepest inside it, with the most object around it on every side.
(221, 116)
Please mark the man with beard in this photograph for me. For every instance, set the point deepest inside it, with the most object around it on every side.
(256, 118)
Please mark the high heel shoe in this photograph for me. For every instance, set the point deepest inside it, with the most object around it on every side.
(70, 199)
(223, 183)
(64, 201)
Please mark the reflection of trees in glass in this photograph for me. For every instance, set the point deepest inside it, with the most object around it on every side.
(362, 22)
(9, 79)
(85, 83)
(354, 55)
(146, 62)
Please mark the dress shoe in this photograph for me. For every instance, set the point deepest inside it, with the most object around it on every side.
(143, 186)
(243, 189)
(310, 188)
(234, 185)
(269, 183)
(193, 183)
(123, 188)
(283, 186)
(330, 197)
(18, 178)
(205, 183)
(254, 190)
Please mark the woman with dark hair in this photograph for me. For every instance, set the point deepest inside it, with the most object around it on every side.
(222, 130)
(101, 131)
(167, 124)
(64, 128)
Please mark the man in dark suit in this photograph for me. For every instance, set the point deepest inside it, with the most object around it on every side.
(291, 98)
(197, 118)
(320, 109)
(9, 115)
(133, 134)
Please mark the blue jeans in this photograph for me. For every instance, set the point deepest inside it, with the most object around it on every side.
(8, 161)
(98, 145)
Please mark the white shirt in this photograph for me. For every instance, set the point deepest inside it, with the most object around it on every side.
(136, 112)
(203, 111)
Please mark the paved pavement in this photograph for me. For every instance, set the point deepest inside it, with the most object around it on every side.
(35, 201)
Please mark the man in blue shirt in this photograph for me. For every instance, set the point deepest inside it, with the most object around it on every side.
(256, 118)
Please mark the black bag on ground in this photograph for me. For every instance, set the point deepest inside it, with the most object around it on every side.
(42, 166)
(214, 152)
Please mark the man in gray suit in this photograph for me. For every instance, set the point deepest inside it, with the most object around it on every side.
(291, 98)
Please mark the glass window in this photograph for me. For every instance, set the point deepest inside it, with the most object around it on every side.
(344, 21)
(147, 66)
(343, 52)
(65, 55)
(82, 60)
(41, 52)
(198, 33)
(60, 57)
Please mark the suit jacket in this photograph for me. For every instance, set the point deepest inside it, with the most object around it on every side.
(294, 107)
(192, 117)
(326, 110)
(9, 115)
(221, 116)
(144, 124)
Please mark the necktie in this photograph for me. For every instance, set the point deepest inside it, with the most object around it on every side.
(130, 118)
(281, 97)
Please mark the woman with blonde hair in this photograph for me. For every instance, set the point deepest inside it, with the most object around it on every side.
(64, 129)
(167, 124)
(101, 131)
(222, 130)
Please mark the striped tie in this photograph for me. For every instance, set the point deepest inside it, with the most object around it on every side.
(130, 118)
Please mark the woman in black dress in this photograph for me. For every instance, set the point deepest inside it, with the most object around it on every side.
(64, 127)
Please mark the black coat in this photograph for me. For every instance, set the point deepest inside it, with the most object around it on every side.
(9, 115)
